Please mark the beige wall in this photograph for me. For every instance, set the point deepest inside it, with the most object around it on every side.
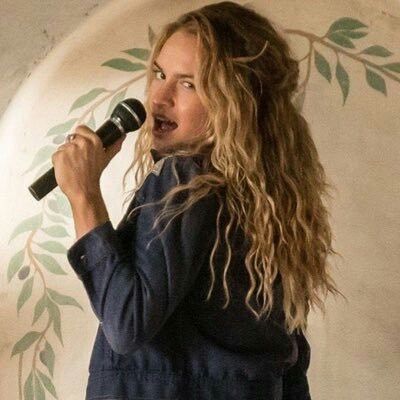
(355, 348)
(30, 29)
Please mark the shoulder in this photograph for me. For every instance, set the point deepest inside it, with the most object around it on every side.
(179, 168)
(184, 164)
(168, 172)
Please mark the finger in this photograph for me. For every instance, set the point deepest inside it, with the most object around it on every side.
(84, 129)
(87, 133)
(65, 146)
(69, 138)
(60, 150)
(85, 141)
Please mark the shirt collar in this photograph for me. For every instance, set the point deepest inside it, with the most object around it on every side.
(156, 155)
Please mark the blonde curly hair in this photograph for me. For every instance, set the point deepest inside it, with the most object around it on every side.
(259, 152)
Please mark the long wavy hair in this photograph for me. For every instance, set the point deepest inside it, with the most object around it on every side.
(258, 152)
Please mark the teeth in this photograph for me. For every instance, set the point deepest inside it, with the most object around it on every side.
(163, 119)
(164, 124)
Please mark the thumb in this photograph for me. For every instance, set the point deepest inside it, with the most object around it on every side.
(112, 150)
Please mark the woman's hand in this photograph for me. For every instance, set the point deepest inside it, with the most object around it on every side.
(79, 163)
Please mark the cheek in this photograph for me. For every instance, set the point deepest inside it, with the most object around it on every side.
(202, 118)
(196, 116)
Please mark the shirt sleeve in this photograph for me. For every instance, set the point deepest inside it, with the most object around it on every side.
(132, 288)
(295, 383)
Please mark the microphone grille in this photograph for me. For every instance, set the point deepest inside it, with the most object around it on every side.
(131, 113)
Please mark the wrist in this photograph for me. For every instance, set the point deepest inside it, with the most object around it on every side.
(88, 212)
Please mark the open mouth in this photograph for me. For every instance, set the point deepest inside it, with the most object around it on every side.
(163, 125)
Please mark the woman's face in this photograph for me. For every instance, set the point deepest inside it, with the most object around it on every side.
(177, 115)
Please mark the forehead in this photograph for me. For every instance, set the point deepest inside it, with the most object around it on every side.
(179, 53)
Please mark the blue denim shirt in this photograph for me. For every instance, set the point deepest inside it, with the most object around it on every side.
(158, 338)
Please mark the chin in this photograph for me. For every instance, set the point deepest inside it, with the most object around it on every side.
(163, 147)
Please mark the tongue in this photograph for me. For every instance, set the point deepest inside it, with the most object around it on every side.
(168, 126)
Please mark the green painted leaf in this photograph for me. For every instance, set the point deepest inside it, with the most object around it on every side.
(124, 65)
(341, 40)
(395, 67)
(151, 35)
(114, 101)
(25, 294)
(56, 231)
(346, 23)
(92, 123)
(141, 54)
(62, 299)
(47, 383)
(24, 272)
(27, 225)
(343, 78)
(55, 317)
(53, 205)
(60, 139)
(15, 264)
(62, 128)
(39, 391)
(50, 263)
(39, 308)
(375, 81)
(24, 343)
(86, 98)
(353, 34)
(42, 155)
(63, 205)
(53, 247)
(377, 50)
(28, 387)
(44, 168)
(56, 218)
(47, 357)
(322, 66)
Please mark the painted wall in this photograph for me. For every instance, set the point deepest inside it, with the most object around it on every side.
(351, 83)
(30, 29)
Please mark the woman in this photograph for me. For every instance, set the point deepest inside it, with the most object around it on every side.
(203, 289)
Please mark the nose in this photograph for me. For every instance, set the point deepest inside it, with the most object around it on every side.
(163, 95)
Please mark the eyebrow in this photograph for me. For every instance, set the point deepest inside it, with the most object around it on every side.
(177, 75)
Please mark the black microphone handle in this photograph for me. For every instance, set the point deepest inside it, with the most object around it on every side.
(109, 133)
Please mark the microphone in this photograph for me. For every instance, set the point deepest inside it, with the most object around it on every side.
(127, 116)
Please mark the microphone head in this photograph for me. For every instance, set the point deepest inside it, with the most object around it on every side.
(131, 114)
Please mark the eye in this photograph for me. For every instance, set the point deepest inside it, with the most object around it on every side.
(188, 85)
(158, 74)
